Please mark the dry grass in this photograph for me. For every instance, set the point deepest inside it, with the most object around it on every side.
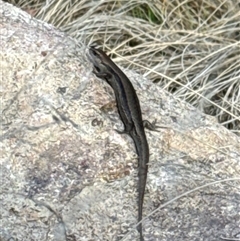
(190, 48)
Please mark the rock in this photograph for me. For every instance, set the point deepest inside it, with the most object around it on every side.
(68, 175)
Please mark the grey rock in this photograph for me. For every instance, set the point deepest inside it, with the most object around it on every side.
(66, 174)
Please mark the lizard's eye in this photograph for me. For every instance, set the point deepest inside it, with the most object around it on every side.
(94, 52)
(97, 69)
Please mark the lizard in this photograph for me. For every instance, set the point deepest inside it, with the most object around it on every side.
(130, 112)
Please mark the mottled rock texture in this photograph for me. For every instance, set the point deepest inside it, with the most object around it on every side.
(66, 174)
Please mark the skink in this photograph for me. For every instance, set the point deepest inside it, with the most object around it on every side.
(130, 113)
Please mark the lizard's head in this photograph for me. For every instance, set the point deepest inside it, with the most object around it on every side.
(98, 58)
